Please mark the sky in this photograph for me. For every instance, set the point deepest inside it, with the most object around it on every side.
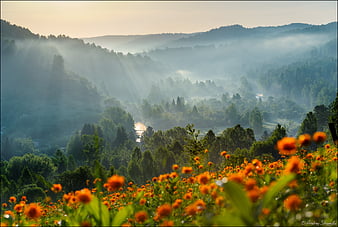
(81, 19)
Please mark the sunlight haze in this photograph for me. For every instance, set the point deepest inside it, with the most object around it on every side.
(89, 19)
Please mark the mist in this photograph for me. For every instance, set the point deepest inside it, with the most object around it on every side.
(179, 75)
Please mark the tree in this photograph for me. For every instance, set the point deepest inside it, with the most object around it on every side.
(75, 148)
(60, 161)
(333, 120)
(41, 165)
(92, 147)
(134, 171)
(256, 121)
(322, 115)
(237, 137)
(193, 146)
(209, 138)
(231, 115)
(148, 165)
(180, 104)
(309, 124)
(121, 136)
(76, 179)
(261, 148)
(137, 154)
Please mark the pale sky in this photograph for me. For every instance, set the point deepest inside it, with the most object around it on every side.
(88, 19)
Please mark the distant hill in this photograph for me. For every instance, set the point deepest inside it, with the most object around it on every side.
(135, 43)
(239, 32)
(144, 43)
(11, 31)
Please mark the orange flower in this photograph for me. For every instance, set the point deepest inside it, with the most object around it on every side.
(164, 210)
(260, 170)
(197, 158)
(12, 199)
(227, 156)
(143, 201)
(203, 178)
(220, 201)
(223, 153)
(141, 216)
(250, 184)
(85, 224)
(293, 184)
(24, 198)
(9, 213)
(126, 224)
(315, 166)
(236, 177)
(256, 163)
(175, 167)
(210, 163)
(33, 211)
(191, 209)
(200, 205)
(177, 203)
(292, 202)
(84, 196)
(4, 205)
(186, 170)
(287, 146)
(206, 151)
(304, 140)
(167, 223)
(154, 179)
(115, 182)
(18, 208)
(204, 189)
(254, 194)
(319, 137)
(264, 189)
(265, 211)
(248, 169)
(309, 156)
(173, 175)
(294, 165)
(56, 188)
(187, 196)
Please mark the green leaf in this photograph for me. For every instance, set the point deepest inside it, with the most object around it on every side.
(122, 215)
(99, 211)
(139, 195)
(226, 219)
(239, 200)
(93, 208)
(173, 181)
(272, 192)
(105, 215)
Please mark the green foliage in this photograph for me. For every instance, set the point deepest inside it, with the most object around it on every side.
(148, 166)
(41, 165)
(237, 137)
(76, 179)
(260, 148)
(11, 147)
(256, 121)
(135, 172)
(32, 192)
(309, 124)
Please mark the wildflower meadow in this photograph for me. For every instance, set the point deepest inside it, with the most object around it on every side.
(300, 189)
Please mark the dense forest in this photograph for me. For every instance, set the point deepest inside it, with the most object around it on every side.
(69, 108)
